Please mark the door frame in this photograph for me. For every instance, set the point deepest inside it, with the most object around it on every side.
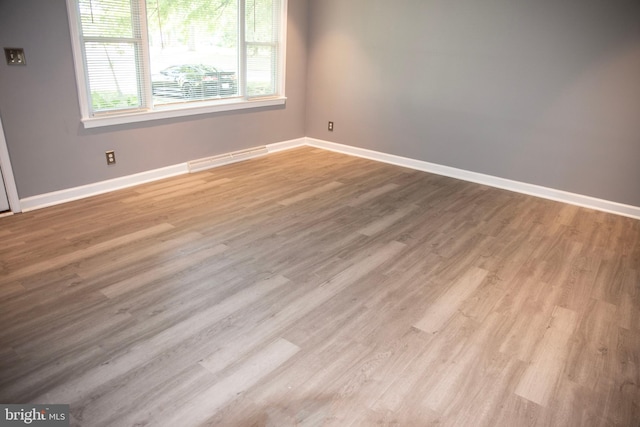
(7, 174)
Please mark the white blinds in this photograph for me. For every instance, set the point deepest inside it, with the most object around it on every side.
(112, 43)
(262, 30)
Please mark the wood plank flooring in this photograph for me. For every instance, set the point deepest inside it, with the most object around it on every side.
(310, 288)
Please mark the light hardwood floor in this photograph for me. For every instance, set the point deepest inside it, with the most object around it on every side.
(312, 288)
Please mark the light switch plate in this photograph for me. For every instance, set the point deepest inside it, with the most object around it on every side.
(15, 56)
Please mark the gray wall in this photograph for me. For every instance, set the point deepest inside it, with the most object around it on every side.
(545, 92)
(541, 91)
(49, 148)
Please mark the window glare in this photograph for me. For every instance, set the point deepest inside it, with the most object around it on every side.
(193, 49)
(113, 82)
(106, 18)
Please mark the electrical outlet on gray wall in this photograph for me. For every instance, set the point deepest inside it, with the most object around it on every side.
(15, 56)
(111, 157)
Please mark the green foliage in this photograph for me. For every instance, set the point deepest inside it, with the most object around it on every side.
(106, 18)
(192, 11)
(259, 20)
(208, 18)
(111, 100)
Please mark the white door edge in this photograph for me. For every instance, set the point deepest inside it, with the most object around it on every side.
(7, 174)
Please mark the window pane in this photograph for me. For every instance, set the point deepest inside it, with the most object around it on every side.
(106, 18)
(261, 33)
(193, 49)
(261, 22)
(190, 51)
(261, 70)
(113, 82)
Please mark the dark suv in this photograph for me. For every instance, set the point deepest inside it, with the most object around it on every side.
(194, 82)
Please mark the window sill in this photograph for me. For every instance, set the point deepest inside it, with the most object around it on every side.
(179, 111)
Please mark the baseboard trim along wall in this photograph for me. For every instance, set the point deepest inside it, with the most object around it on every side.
(287, 145)
(76, 193)
(225, 159)
(478, 178)
(84, 191)
(63, 196)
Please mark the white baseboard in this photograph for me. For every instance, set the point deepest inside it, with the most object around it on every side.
(226, 159)
(286, 145)
(76, 193)
(62, 196)
(479, 178)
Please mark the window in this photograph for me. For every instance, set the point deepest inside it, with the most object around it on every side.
(148, 59)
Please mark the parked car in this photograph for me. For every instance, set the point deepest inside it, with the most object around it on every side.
(191, 81)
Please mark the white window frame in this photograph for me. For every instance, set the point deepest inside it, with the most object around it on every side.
(171, 110)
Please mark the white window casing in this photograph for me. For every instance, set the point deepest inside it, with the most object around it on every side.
(113, 57)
